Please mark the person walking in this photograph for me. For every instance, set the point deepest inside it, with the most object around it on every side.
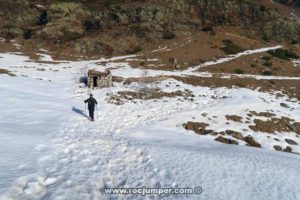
(91, 106)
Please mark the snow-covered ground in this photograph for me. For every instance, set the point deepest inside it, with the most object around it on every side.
(50, 151)
(64, 71)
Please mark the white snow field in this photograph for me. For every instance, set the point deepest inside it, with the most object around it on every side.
(50, 151)
(29, 119)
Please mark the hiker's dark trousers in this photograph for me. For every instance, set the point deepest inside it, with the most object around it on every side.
(91, 113)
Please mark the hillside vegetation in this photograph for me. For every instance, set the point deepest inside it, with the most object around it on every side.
(122, 27)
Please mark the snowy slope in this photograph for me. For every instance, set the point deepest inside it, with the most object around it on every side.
(29, 119)
(50, 151)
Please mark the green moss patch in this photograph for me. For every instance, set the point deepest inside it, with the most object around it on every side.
(283, 54)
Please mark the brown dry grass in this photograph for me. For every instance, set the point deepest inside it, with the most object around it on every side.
(147, 94)
(261, 114)
(234, 118)
(287, 87)
(198, 47)
(4, 71)
(276, 87)
(146, 80)
(283, 124)
(255, 64)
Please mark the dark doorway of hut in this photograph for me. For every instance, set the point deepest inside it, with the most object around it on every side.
(95, 81)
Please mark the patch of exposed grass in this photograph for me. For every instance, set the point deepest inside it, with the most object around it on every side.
(4, 71)
(241, 85)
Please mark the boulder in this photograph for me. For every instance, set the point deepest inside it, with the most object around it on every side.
(288, 149)
(291, 142)
(251, 142)
(226, 140)
(235, 134)
(297, 127)
(278, 148)
(284, 105)
(66, 21)
(197, 127)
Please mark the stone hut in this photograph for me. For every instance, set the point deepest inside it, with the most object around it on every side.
(97, 79)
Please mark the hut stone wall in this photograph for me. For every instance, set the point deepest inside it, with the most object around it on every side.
(98, 79)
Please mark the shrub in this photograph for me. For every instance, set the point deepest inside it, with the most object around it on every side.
(283, 54)
(139, 30)
(253, 65)
(239, 71)
(209, 29)
(27, 34)
(272, 82)
(90, 25)
(168, 35)
(241, 85)
(267, 73)
(266, 38)
(266, 58)
(133, 49)
(262, 8)
(293, 41)
(227, 41)
(267, 64)
(113, 1)
(43, 19)
(231, 48)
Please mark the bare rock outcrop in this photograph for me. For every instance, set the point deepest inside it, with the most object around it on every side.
(65, 21)
(226, 140)
(251, 142)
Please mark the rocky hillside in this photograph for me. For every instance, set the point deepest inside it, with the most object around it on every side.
(118, 27)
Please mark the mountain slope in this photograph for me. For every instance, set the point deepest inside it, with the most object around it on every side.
(93, 28)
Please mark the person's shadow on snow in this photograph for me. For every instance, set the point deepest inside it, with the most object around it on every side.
(78, 111)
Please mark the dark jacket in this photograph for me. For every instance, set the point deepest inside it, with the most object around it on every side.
(91, 103)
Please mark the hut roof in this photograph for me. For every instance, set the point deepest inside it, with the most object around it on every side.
(96, 73)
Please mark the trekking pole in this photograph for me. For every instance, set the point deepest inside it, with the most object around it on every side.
(97, 111)
(85, 109)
